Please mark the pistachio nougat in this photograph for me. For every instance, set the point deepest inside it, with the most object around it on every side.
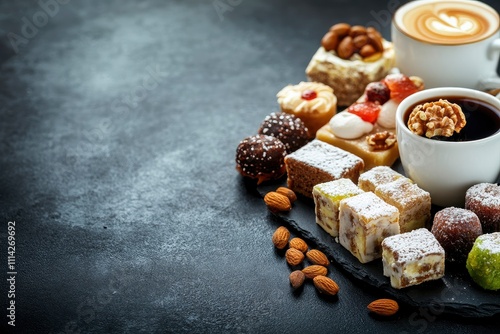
(365, 220)
(327, 197)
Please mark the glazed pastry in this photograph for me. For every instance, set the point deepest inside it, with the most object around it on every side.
(261, 157)
(313, 102)
(484, 200)
(286, 127)
(456, 229)
(483, 262)
(413, 203)
(327, 197)
(412, 258)
(365, 220)
(367, 127)
(349, 58)
(319, 162)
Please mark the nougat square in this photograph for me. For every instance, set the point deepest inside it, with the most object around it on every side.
(365, 220)
(376, 176)
(413, 203)
(327, 197)
(412, 258)
(319, 162)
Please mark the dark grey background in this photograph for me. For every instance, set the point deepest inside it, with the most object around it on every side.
(119, 122)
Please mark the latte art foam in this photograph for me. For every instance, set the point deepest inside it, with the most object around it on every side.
(450, 22)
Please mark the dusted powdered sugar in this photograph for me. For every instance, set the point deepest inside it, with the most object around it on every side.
(376, 176)
(486, 193)
(329, 158)
(370, 206)
(340, 187)
(403, 191)
(413, 245)
(489, 242)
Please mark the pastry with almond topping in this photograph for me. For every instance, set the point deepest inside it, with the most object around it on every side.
(349, 58)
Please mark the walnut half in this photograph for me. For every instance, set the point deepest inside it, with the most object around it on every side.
(439, 118)
(381, 140)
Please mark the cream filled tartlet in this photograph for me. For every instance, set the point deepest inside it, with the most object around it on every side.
(313, 102)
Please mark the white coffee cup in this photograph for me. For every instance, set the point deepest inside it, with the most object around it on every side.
(448, 43)
(446, 169)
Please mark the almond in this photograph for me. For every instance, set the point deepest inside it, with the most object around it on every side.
(360, 41)
(385, 307)
(346, 48)
(367, 50)
(288, 193)
(297, 278)
(376, 41)
(314, 270)
(277, 202)
(294, 257)
(280, 237)
(341, 29)
(299, 244)
(318, 257)
(357, 30)
(330, 41)
(326, 285)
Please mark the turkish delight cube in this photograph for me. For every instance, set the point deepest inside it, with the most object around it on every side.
(365, 220)
(327, 197)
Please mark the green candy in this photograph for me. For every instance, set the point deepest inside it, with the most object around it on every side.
(483, 262)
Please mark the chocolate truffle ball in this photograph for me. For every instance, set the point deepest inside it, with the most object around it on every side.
(484, 200)
(261, 157)
(288, 128)
(456, 229)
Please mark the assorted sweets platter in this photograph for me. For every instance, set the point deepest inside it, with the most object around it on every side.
(354, 200)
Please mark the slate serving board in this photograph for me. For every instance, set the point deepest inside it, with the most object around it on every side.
(455, 293)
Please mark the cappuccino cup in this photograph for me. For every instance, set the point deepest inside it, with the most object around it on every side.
(448, 43)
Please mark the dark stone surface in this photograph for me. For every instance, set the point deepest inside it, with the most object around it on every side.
(118, 125)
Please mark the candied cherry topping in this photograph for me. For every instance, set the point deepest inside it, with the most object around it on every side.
(368, 111)
(309, 94)
(377, 92)
(400, 86)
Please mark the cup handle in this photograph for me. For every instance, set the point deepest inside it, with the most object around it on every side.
(494, 81)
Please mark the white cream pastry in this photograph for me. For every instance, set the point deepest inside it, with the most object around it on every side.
(347, 125)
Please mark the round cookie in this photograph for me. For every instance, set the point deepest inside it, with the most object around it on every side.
(286, 127)
(261, 157)
(456, 229)
(484, 200)
(483, 262)
(313, 102)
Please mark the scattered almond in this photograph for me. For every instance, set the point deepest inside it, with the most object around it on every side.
(299, 244)
(314, 270)
(288, 193)
(294, 257)
(297, 278)
(318, 257)
(280, 237)
(326, 285)
(385, 307)
(277, 202)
